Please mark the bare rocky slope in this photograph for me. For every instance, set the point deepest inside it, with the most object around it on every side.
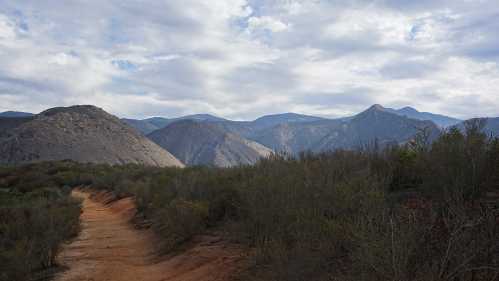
(81, 133)
(204, 143)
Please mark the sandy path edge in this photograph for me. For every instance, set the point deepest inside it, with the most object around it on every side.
(109, 248)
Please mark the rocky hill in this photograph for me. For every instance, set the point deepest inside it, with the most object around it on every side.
(79, 133)
(205, 143)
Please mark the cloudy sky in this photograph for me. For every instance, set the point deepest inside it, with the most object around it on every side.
(244, 58)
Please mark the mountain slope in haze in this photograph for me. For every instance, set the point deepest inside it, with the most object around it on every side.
(142, 126)
(293, 138)
(374, 124)
(204, 143)
(257, 127)
(83, 134)
(285, 118)
(147, 126)
(9, 123)
(491, 125)
(441, 120)
(15, 114)
(161, 122)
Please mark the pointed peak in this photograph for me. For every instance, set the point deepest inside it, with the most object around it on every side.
(408, 109)
(376, 107)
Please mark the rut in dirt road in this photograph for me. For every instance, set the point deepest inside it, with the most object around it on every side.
(110, 249)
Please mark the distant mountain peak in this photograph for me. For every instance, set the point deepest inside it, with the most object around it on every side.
(408, 109)
(15, 114)
(152, 124)
(377, 107)
(285, 114)
(411, 112)
(439, 119)
(282, 118)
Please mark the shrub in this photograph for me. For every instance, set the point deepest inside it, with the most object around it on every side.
(412, 212)
(179, 221)
(32, 230)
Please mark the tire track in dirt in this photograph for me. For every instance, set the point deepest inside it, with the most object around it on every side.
(109, 248)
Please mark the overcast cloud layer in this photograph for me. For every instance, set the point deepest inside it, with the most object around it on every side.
(244, 58)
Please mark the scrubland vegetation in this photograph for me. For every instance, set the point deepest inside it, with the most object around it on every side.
(414, 212)
(36, 216)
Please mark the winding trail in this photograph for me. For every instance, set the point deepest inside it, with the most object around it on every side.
(109, 248)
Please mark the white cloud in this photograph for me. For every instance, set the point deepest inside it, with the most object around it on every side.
(7, 30)
(267, 23)
(391, 27)
(64, 59)
(243, 58)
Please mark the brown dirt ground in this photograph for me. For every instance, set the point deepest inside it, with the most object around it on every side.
(109, 248)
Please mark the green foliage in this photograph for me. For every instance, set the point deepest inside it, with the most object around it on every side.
(32, 228)
(179, 221)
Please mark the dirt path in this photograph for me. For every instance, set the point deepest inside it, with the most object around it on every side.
(110, 249)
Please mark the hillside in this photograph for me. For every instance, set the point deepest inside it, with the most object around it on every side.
(147, 126)
(491, 125)
(376, 124)
(295, 137)
(9, 123)
(439, 119)
(15, 114)
(268, 121)
(82, 134)
(202, 143)
(294, 133)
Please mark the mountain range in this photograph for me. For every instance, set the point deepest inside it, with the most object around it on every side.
(88, 134)
(149, 125)
(376, 124)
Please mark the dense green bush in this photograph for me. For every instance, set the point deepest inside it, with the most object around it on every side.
(36, 216)
(179, 221)
(32, 228)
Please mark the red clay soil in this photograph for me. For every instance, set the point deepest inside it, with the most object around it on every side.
(109, 248)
